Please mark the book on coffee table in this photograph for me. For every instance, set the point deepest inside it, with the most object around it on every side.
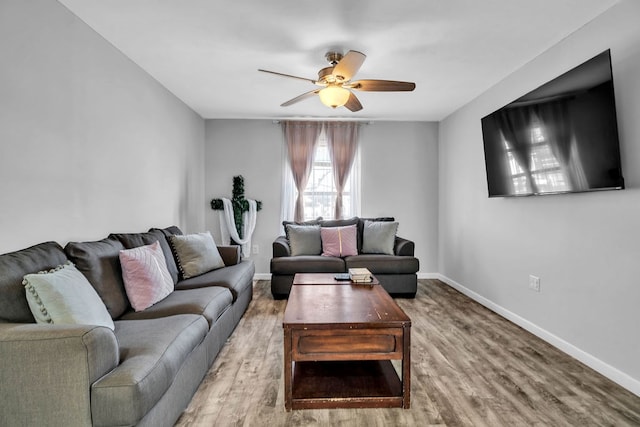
(360, 275)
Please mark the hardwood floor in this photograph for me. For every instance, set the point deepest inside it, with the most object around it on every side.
(470, 367)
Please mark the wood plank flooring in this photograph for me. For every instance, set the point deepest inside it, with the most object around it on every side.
(470, 367)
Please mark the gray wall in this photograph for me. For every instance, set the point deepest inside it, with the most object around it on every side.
(399, 178)
(253, 149)
(89, 143)
(584, 247)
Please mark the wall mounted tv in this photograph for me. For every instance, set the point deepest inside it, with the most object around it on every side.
(560, 138)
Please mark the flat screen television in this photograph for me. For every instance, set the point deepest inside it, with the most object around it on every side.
(559, 138)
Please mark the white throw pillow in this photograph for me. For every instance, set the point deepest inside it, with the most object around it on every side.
(65, 296)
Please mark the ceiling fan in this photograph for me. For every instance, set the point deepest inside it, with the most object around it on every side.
(336, 85)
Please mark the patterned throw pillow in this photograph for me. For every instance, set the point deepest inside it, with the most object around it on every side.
(378, 237)
(339, 241)
(146, 277)
(65, 296)
(195, 254)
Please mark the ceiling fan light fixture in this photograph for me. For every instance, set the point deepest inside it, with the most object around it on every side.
(334, 96)
(337, 82)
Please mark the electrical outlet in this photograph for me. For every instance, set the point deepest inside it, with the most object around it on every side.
(256, 249)
(534, 283)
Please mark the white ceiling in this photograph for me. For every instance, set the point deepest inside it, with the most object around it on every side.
(208, 52)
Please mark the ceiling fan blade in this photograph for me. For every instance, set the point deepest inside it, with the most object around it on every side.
(382, 86)
(300, 98)
(349, 65)
(288, 75)
(353, 103)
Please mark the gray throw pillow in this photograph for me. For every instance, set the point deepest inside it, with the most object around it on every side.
(65, 296)
(378, 237)
(195, 254)
(304, 239)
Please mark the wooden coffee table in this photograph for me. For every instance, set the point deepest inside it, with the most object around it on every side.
(339, 341)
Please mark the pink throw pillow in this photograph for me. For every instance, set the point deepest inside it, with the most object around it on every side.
(339, 241)
(145, 274)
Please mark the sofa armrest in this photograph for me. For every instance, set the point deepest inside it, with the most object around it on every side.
(404, 247)
(281, 247)
(47, 371)
(231, 254)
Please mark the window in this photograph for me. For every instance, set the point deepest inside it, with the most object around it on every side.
(320, 194)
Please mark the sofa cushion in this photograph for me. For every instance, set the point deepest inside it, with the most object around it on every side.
(151, 354)
(339, 241)
(231, 254)
(209, 302)
(100, 263)
(378, 237)
(339, 222)
(134, 240)
(195, 254)
(237, 278)
(13, 267)
(307, 264)
(63, 296)
(384, 264)
(309, 222)
(145, 274)
(304, 239)
(168, 231)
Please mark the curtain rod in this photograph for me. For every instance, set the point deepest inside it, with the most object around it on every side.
(362, 122)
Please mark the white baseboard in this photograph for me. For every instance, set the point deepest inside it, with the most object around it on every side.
(615, 375)
(262, 276)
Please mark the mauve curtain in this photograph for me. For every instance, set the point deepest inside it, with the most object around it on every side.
(342, 140)
(301, 139)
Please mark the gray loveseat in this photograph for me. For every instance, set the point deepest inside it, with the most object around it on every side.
(142, 373)
(396, 270)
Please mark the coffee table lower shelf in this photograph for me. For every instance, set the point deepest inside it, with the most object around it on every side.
(346, 384)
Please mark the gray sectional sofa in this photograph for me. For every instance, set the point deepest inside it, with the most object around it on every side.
(145, 371)
(396, 270)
